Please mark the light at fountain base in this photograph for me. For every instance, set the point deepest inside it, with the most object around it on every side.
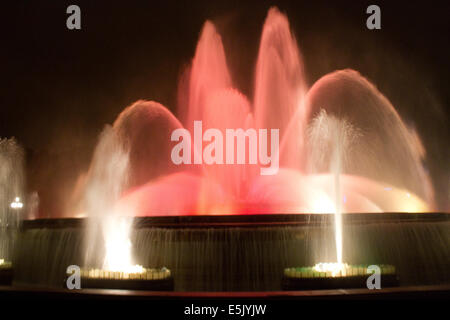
(324, 276)
(6, 273)
(145, 279)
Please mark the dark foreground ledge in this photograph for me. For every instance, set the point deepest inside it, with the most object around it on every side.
(416, 292)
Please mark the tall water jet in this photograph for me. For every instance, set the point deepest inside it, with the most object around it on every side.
(363, 135)
(107, 243)
(12, 193)
(227, 109)
(207, 74)
(385, 150)
(109, 260)
(12, 182)
(279, 78)
(329, 139)
(336, 169)
(279, 84)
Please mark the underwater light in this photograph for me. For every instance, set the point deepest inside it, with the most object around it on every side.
(6, 272)
(334, 269)
(138, 278)
(335, 276)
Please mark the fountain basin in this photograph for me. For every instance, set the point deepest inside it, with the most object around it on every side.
(149, 279)
(248, 252)
(306, 278)
(6, 273)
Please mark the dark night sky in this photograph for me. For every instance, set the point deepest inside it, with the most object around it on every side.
(59, 87)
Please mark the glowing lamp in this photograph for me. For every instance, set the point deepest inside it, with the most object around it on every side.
(16, 204)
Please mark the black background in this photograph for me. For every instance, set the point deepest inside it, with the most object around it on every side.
(60, 87)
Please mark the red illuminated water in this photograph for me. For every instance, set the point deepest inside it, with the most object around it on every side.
(343, 145)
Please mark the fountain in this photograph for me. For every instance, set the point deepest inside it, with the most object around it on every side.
(351, 188)
(11, 207)
(108, 231)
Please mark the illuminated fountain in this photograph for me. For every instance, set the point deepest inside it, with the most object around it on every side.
(372, 157)
(343, 144)
(108, 231)
(348, 166)
(11, 193)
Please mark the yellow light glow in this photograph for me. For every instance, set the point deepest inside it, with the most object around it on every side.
(322, 203)
(118, 248)
(16, 204)
(335, 268)
(408, 202)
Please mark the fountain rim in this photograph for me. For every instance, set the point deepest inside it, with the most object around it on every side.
(249, 220)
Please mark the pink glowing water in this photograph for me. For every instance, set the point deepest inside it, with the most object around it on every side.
(341, 127)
